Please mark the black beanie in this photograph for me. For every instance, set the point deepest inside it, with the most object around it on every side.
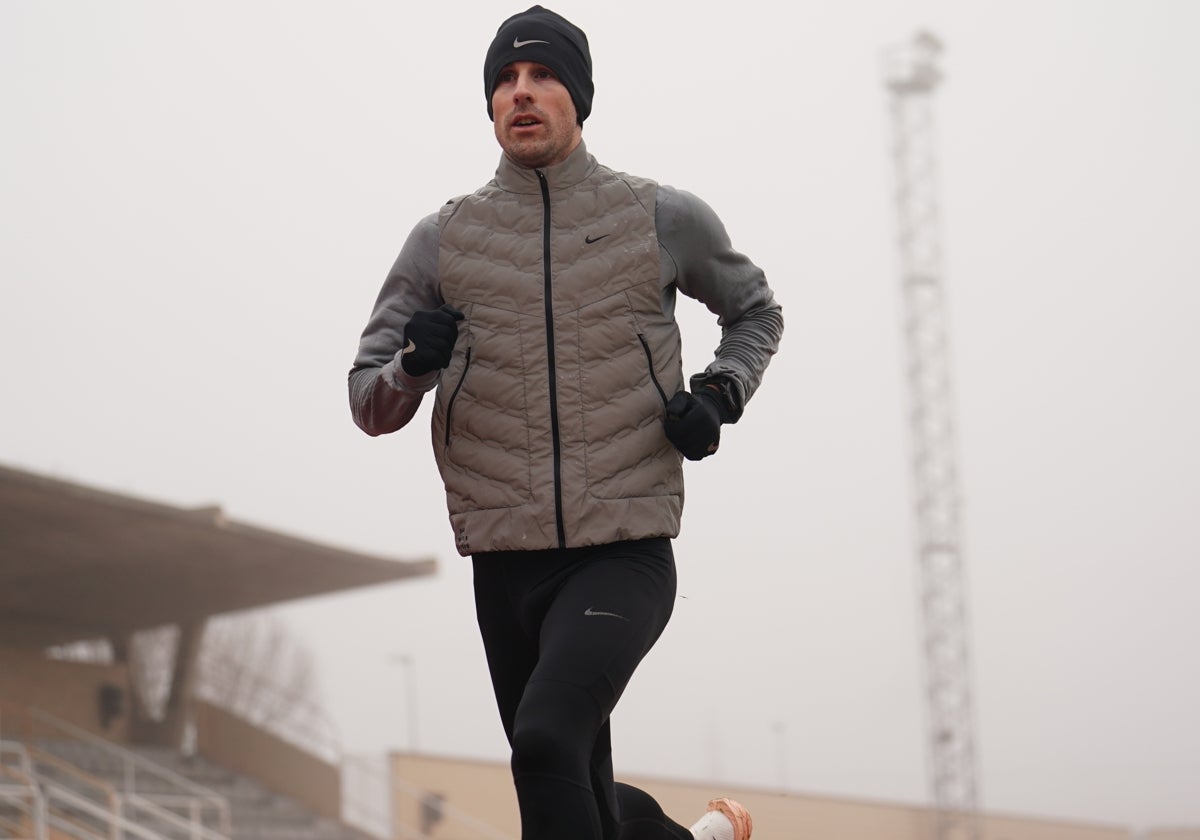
(540, 35)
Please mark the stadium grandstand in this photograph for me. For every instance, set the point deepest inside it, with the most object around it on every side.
(81, 753)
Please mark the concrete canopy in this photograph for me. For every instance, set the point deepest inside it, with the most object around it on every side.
(81, 563)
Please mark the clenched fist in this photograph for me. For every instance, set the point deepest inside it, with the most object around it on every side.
(429, 338)
(693, 423)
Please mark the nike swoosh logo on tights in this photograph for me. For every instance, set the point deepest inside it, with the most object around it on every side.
(590, 611)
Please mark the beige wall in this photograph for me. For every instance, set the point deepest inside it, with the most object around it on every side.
(67, 690)
(276, 764)
(471, 789)
(484, 791)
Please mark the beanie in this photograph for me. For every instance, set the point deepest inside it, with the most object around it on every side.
(541, 35)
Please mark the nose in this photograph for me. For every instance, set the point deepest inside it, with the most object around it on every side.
(522, 89)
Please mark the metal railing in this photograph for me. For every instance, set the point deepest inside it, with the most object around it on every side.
(188, 811)
(70, 812)
(56, 805)
(25, 812)
(158, 807)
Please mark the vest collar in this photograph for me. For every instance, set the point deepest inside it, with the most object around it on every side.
(513, 178)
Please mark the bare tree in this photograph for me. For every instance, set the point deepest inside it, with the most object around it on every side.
(248, 664)
(151, 657)
(251, 666)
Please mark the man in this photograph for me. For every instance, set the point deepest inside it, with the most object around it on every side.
(541, 309)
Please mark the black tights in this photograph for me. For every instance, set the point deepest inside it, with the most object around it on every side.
(563, 631)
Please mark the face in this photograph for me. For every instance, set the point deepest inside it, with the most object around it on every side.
(534, 115)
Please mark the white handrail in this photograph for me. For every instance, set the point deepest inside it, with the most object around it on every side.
(114, 821)
(131, 762)
(196, 831)
(125, 755)
(25, 788)
(109, 815)
(22, 797)
(68, 827)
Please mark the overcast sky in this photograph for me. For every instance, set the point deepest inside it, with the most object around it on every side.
(199, 201)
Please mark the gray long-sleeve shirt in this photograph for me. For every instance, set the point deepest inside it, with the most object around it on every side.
(696, 258)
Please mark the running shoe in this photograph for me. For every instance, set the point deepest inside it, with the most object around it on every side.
(724, 820)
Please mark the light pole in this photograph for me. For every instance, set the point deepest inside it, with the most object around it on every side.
(410, 688)
(912, 75)
(781, 745)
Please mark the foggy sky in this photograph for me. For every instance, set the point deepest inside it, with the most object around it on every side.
(198, 203)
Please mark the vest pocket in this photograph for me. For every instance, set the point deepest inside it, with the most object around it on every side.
(650, 364)
(480, 423)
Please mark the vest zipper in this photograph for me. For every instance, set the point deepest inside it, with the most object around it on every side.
(650, 362)
(454, 394)
(554, 433)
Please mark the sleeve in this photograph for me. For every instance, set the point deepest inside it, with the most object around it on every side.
(707, 268)
(383, 398)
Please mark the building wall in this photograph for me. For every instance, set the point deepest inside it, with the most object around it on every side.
(472, 790)
(483, 791)
(244, 748)
(66, 690)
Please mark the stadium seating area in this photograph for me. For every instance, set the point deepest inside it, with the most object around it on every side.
(57, 788)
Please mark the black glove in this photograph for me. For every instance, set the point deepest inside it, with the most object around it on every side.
(693, 422)
(429, 339)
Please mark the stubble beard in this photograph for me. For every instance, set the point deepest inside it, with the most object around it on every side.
(536, 153)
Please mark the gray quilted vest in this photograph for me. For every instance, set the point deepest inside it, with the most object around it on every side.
(547, 425)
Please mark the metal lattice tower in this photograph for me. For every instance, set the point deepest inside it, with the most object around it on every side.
(911, 78)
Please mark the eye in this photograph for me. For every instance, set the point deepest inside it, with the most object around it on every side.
(544, 73)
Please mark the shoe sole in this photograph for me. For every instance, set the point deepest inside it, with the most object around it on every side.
(737, 814)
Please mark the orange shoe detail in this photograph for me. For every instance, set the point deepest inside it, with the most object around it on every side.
(737, 814)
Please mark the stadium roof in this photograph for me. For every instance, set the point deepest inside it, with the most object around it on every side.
(81, 563)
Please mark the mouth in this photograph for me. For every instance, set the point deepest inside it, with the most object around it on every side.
(525, 121)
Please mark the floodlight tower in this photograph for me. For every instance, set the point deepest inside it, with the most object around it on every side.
(911, 77)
